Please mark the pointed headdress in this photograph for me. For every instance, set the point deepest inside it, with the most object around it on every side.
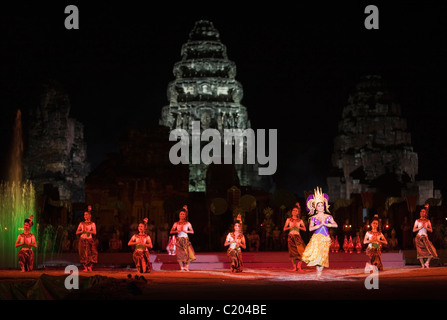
(315, 198)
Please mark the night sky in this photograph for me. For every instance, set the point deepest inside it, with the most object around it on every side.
(297, 65)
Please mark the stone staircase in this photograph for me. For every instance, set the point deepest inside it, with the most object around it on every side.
(219, 260)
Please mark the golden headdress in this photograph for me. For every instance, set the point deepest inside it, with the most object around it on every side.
(315, 198)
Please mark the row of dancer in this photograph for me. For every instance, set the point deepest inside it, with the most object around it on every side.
(425, 250)
(374, 239)
(315, 253)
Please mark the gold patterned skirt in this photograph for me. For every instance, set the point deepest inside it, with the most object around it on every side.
(142, 261)
(26, 258)
(424, 248)
(88, 253)
(317, 251)
(296, 246)
(375, 255)
(185, 252)
(235, 256)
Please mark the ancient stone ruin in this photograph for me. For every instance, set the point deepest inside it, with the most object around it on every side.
(205, 90)
(55, 155)
(373, 150)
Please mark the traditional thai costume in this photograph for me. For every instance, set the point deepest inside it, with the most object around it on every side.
(185, 252)
(234, 251)
(374, 250)
(295, 244)
(141, 255)
(88, 253)
(26, 254)
(317, 250)
(424, 247)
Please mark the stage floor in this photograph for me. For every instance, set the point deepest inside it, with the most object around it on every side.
(219, 260)
(260, 284)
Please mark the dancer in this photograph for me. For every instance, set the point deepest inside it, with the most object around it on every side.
(26, 241)
(317, 250)
(375, 239)
(143, 244)
(295, 243)
(235, 240)
(88, 253)
(424, 247)
(185, 251)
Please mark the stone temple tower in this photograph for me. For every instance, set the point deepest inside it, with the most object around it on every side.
(373, 147)
(205, 90)
(373, 150)
(57, 152)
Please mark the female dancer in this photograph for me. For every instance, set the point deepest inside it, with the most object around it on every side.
(294, 241)
(143, 244)
(26, 241)
(424, 247)
(317, 250)
(235, 240)
(375, 239)
(88, 252)
(185, 252)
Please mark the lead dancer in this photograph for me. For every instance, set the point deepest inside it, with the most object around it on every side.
(317, 250)
(185, 252)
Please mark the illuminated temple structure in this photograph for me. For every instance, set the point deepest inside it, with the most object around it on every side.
(373, 150)
(205, 90)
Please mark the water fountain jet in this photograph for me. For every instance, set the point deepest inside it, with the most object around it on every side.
(17, 202)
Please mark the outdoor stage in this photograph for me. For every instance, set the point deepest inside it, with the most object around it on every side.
(254, 260)
(267, 277)
(219, 260)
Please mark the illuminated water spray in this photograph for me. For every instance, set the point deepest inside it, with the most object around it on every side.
(17, 202)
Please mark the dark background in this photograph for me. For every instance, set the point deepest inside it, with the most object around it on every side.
(297, 65)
